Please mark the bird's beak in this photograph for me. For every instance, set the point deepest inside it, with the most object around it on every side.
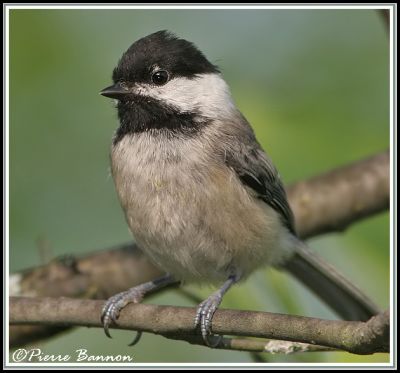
(114, 91)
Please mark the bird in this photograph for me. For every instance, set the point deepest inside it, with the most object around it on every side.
(201, 197)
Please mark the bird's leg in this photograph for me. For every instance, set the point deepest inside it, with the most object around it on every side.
(207, 308)
(116, 303)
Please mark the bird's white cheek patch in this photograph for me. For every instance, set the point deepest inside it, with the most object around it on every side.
(206, 94)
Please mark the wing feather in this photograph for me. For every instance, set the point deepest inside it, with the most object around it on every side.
(256, 171)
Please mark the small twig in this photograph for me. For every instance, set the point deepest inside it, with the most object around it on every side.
(44, 248)
(258, 357)
(286, 347)
(254, 345)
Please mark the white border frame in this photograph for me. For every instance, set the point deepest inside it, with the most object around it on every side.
(393, 192)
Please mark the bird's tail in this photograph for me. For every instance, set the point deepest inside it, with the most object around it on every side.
(332, 287)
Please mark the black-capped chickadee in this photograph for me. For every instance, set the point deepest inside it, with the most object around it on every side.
(202, 199)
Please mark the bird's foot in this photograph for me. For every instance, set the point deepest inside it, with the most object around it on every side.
(116, 303)
(204, 315)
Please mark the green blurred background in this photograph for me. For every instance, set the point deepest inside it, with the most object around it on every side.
(313, 83)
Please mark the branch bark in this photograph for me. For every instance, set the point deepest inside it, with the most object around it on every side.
(332, 201)
(325, 203)
(355, 337)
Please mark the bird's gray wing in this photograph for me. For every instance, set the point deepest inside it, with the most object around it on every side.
(247, 159)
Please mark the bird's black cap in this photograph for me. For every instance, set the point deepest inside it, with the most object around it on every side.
(144, 58)
(166, 51)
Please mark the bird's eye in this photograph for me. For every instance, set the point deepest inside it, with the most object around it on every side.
(160, 77)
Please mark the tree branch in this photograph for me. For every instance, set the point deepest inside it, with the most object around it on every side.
(325, 203)
(254, 345)
(332, 201)
(356, 337)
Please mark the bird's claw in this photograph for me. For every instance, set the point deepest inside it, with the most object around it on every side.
(204, 316)
(137, 338)
(113, 307)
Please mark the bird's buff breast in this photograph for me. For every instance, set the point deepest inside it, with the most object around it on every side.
(191, 216)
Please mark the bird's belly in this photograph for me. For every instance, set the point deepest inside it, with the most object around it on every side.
(197, 223)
